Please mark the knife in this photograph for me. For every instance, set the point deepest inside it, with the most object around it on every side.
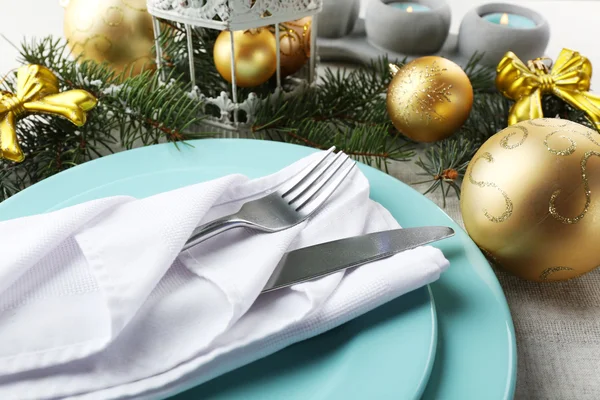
(323, 259)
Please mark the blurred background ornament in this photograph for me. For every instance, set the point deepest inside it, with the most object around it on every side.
(254, 56)
(294, 45)
(118, 32)
(530, 199)
(429, 98)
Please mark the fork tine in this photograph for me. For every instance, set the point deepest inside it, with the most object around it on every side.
(324, 189)
(300, 177)
(299, 190)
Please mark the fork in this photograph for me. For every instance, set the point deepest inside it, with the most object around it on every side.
(295, 201)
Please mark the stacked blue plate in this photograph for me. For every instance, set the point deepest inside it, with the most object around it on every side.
(452, 340)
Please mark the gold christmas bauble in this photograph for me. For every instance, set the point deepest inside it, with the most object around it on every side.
(294, 45)
(118, 32)
(531, 199)
(429, 98)
(255, 56)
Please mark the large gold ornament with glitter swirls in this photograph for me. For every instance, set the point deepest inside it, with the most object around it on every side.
(531, 199)
(569, 79)
(118, 32)
(429, 98)
(37, 92)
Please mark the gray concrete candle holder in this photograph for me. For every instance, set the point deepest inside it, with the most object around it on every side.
(494, 40)
(413, 33)
(337, 18)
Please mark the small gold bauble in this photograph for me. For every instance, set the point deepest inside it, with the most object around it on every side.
(429, 98)
(294, 45)
(531, 199)
(255, 56)
(118, 32)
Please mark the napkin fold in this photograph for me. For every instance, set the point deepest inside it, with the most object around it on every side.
(97, 302)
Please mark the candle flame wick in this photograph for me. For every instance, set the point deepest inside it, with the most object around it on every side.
(504, 19)
(409, 9)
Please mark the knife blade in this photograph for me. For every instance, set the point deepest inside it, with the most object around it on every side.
(323, 259)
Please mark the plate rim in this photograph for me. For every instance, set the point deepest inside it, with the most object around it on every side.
(498, 292)
(510, 384)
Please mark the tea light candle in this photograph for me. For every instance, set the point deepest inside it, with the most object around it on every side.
(511, 20)
(491, 30)
(415, 27)
(410, 7)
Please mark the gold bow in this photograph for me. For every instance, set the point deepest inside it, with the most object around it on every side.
(569, 80)
(37, 92)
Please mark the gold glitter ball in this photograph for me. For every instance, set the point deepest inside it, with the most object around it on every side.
(254, 56)
(118, 32)
(531, 199)
(429, 98)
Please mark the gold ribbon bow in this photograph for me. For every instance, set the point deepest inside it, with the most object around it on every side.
(37, 92)
(569, 80)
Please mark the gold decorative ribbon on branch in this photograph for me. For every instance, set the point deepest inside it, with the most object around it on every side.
(568, 79)
(37, 92)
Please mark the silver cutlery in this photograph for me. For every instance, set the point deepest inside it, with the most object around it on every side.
(323, 259)
(292, 203)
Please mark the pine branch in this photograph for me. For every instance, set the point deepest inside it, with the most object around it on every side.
(131, 111)
(481, 77)
(445, 163)
(176, 61)
(347, 110)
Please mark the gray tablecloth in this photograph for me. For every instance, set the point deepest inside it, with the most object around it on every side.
(557, 324)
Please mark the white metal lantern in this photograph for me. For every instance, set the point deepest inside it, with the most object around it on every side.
(235, 15)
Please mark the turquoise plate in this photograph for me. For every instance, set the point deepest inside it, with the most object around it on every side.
(394, 346)
(385, 354)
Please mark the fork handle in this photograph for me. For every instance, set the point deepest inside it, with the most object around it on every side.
(212, 228)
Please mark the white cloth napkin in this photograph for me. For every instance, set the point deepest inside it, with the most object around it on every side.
(97, 303)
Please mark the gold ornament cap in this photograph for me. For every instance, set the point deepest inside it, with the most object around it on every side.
(394, 69)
